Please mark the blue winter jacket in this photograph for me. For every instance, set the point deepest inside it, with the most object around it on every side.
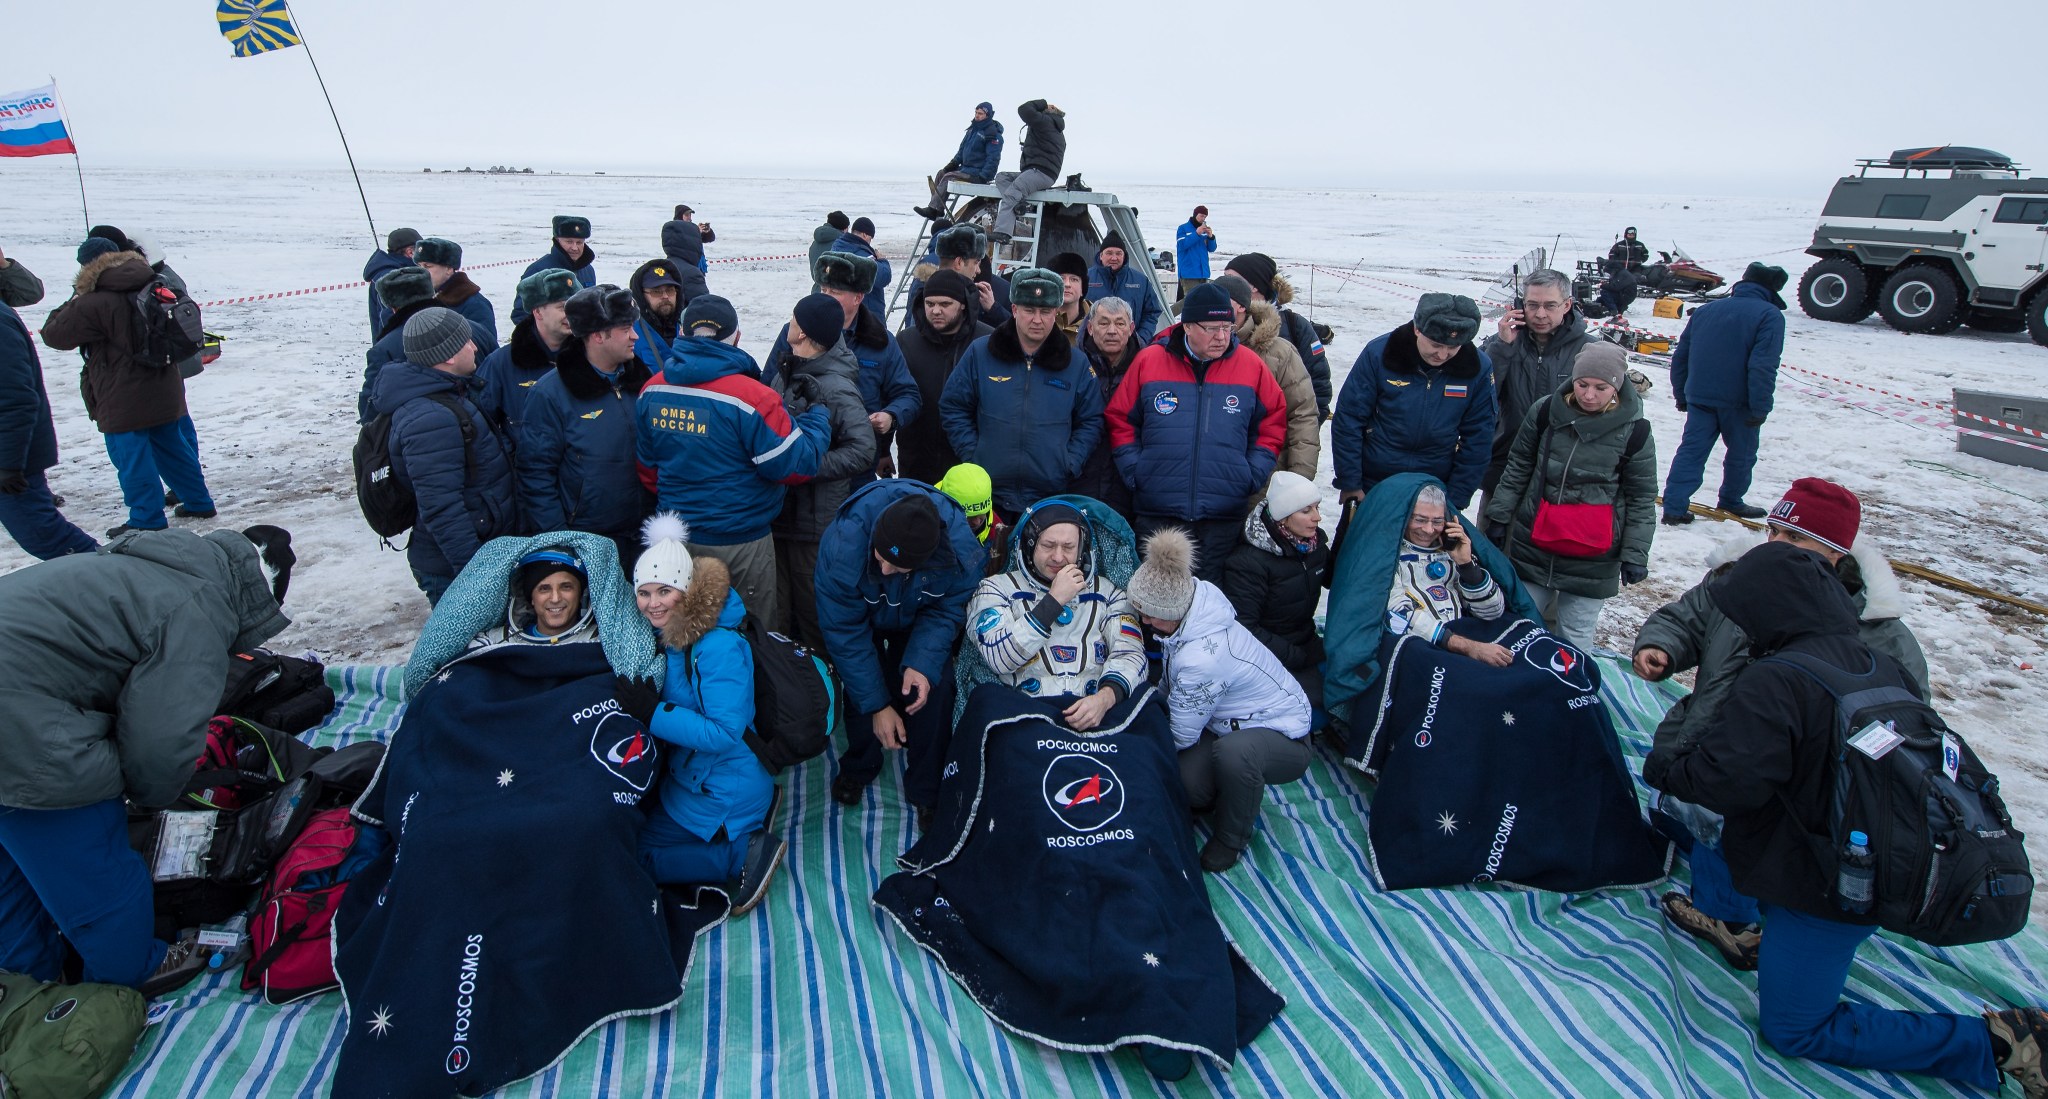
(886, 384)
(878, 294)
(981, 150)
(1195, 441)
(1030, 421)
(683, 242)
(1728, 355)
(576, 462)
(856, 603)
(507, 377)
(390, 348)
(717, 447)
(1397, 414)
(28, 438)
(715, 781)
(585, 270)
(465, 499)
(462, 295)
(380, 264)
(1130, 284)
(1191, 251)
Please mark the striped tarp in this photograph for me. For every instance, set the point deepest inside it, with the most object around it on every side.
(1462, 992)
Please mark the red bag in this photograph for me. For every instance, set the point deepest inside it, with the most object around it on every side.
(1573, 530)
(290, 932)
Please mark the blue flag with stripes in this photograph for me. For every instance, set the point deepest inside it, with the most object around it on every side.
(256, 26)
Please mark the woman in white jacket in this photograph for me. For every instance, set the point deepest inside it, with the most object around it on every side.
(1056, 628)
(1240, 720)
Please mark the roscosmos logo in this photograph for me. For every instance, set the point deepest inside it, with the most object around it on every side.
(468, 969)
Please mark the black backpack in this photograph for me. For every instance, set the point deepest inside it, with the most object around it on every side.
(167, 326)
(387, 501)
(796, 704)
(1950, 868)
(286, 693)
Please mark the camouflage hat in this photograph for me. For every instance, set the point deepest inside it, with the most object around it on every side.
(1037, 286)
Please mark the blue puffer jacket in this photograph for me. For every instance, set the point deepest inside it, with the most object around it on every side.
(465, 499)
(717, 447)
(886, 384)
(1728, 355)
(683, 242)
(856, 602)
(715, 781)
(507, 377)
(1128, 283)
(380, 264)
(877, 300)
(390, 348)
(584, 269)
(1195, 441)
(1031, 421)
(1397, 414)
(1191, 251)
(576, 462)
(981, 150)
(28, 439)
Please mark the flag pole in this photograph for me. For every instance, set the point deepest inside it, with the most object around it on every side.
(78, 165)
(375, 241)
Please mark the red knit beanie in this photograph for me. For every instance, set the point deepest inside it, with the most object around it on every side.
(1821, 510)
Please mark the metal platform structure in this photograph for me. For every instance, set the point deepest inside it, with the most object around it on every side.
(1055, 220)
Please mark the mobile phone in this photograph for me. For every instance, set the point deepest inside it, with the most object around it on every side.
(1515, 273)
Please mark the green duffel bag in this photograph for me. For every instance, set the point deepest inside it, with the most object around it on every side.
(64, 1041)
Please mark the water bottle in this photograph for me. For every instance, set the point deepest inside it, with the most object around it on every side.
(1855, 881)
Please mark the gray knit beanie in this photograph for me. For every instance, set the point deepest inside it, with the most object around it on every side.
(435, 335)
(1164, 586)
(1602, 360)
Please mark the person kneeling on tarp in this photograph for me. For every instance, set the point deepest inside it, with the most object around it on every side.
(1055, 627)
(115, 661)
(1240, 720)
(711, 825)
(1767, 763)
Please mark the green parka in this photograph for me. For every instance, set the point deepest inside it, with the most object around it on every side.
(1584, 460)
(116, 660)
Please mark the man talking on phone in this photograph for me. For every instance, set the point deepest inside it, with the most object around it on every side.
(1532, 350)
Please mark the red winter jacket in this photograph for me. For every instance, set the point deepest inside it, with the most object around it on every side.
(1196, 441)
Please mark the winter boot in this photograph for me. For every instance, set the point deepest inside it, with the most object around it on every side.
(2016, 1036)
(1677, 518)
(116, 532)
(1166, 1064)
(186, 959)
(1738, 945)
(764, 854)
(847, 790)
(183, 512)
(926, 213)
(1218, 856)
(1744, 511)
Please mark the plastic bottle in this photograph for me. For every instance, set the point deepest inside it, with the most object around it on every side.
(1856, 879)
(229, 941)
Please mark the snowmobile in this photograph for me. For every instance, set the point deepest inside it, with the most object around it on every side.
(1680, 276)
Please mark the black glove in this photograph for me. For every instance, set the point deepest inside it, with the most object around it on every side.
(1755, 421)
(1497, 533)
(1633, 574)
(1681, 406)
(13, 482)
(637, 697)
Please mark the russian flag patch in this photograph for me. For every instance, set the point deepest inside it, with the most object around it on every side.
(1454, 391)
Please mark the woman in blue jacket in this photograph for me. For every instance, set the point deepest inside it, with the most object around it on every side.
(710, 826)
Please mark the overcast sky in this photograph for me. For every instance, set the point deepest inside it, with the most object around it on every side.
(1671, 96)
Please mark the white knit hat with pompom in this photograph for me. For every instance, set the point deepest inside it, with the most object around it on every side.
(666, 559)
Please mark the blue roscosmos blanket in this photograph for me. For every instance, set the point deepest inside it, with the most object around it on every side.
(1058, 884)
(512, 915)
(1499, 774)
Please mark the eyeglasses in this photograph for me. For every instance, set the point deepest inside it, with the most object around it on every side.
(1421, 521)
(1213, 328)
(1543, 306)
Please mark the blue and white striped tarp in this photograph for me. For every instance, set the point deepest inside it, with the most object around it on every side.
(1475, 991)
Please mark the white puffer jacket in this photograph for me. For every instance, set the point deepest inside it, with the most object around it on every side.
(1221, 678)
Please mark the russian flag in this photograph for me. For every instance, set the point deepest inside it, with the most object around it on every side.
(32, 125)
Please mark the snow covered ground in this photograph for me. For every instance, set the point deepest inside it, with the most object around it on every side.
(276, 422)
